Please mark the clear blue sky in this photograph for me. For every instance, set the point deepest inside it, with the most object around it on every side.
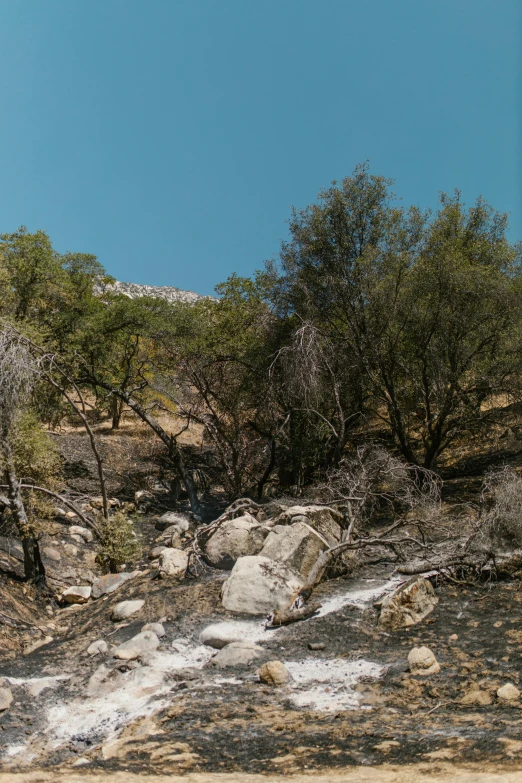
(171, 137)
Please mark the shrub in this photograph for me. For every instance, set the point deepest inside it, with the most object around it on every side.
(120, 543)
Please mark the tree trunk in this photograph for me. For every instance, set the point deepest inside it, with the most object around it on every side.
(33, 566)
(116, 411)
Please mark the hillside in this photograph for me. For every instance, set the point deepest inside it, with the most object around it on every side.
(135, 290)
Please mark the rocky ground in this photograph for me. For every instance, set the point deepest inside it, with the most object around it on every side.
(163, 669)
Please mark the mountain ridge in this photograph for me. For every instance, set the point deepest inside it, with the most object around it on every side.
(136, 290)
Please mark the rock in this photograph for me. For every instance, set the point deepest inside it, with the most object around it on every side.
(273, 673)
(173, 518)
(98, 647)
(476, 697)
(6, 698)
(219, 635)
(508, 692)
(40, 643)
(156, 628)
(156, 551)
(258, 585)
(97, 503)
(171, 537)
(83, 532)
(237, 654)
(51, 554)
(111, 582)
(408, 605)
(316, 645)
(77, 594)
(325, 521)
(297, 545)
(180, 645)
(422, 661)
(173, 563)
(125, 609)
(71, 515)
(71, 550)
(142, 643)
(233, 539)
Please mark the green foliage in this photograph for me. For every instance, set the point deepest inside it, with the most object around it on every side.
(120, 542)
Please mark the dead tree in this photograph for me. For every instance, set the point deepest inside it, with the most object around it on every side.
(17, 372)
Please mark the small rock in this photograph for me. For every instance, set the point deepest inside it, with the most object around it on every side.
(98, 648)
(316, 645)
(71, 515)
(97, 503)
(156, 628)
(476, 697)
(111, 582)
(77, 594)
(6, 698)
(422, 661)
(38, 644)
(51, 554)
(173, 518)
(144, 642)
(125, 609)
(83, 532)
(173, 563)
(273, 673)
(408, 605)
(71, 550)
(454, 637)
(237, 654)
(219, 635)
(508, 692)
(180, 645)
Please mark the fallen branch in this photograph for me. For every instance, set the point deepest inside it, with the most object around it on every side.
(85, 519)
(287, 616)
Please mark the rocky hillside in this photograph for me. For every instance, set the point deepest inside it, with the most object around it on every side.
(168, 292)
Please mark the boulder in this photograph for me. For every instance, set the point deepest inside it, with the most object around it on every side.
(6, 698)
(173, 563)
(111, 582)
(156, 628)
(125, 609)
(408, 605)
(297, 545)
(83, 532)
(142, 643)
(258, 585)
(99, 647)
(422, 661)
(326, 521)
(77, 594)
(173, 518)
(235, 538)
(237, 654)
(273, 673)
(219, 635)
(508, 692)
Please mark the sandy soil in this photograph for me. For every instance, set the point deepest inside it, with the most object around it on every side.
(384, 774)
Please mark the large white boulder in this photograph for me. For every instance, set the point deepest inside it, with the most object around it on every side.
(258, 585)
(297, 545)
(173, 563)
(233, 539)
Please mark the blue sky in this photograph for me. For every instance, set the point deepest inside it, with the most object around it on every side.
(171, 137)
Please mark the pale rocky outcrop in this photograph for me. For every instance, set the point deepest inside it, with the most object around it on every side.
(297, 545)
(258, 585)
(408, 605)
(233, 539)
